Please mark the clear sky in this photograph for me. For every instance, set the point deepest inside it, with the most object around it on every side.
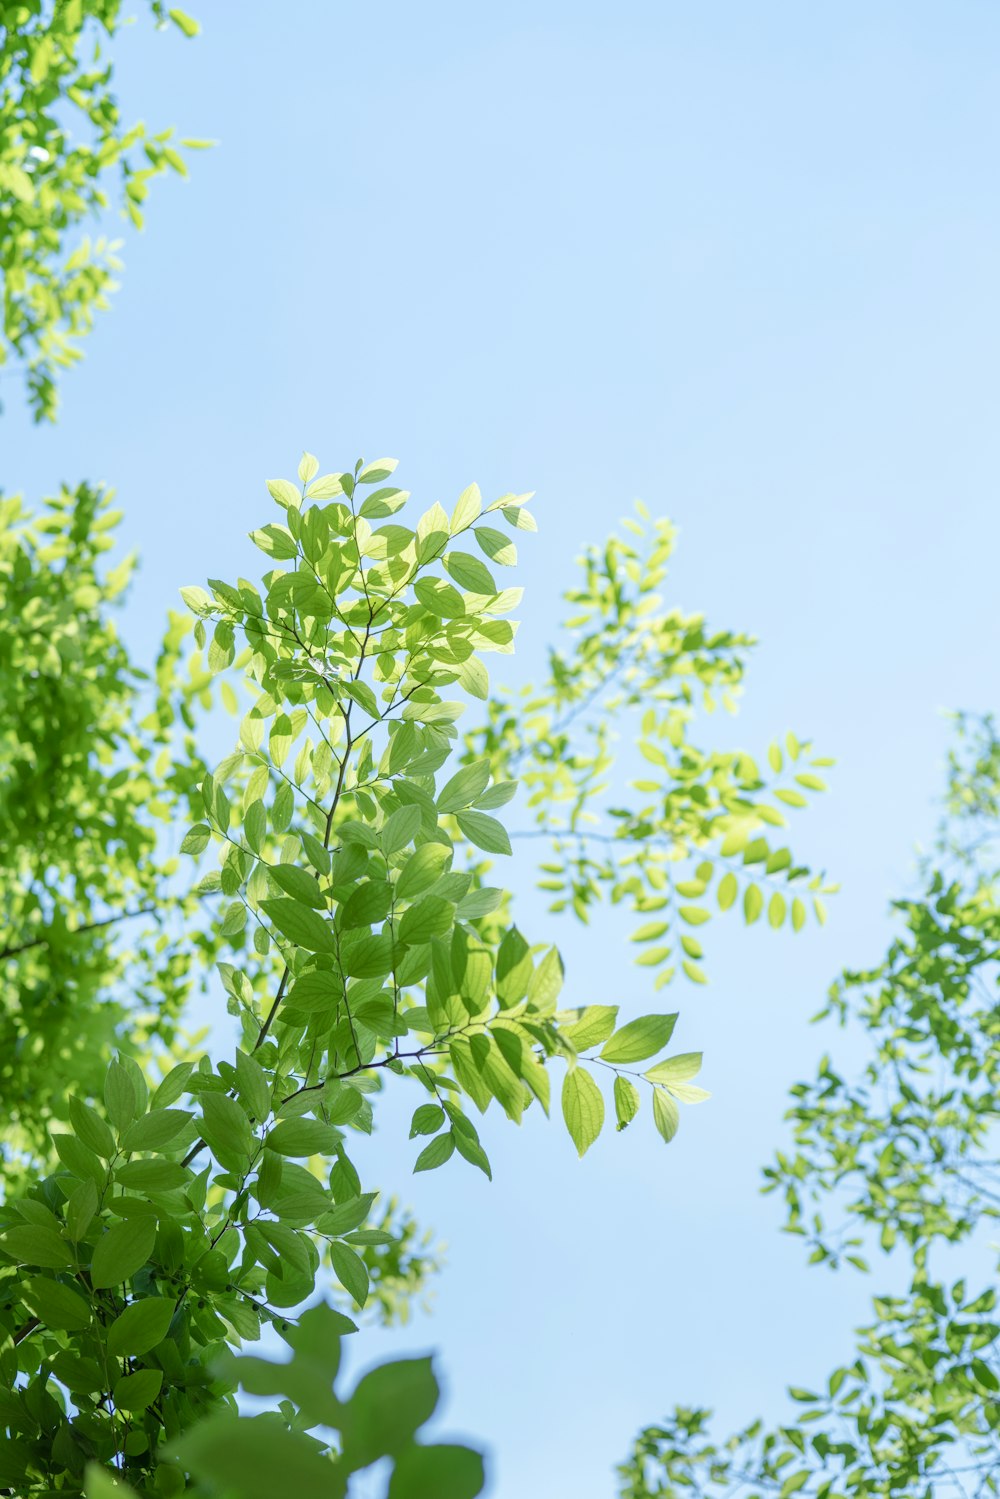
(737, 259)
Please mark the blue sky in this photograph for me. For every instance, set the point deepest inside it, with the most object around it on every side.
(737, 260)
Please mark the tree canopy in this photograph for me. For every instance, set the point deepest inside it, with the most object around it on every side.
(337, 869)
(335, 887)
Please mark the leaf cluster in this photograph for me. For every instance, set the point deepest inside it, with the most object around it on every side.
(66, 155)
(898, 1156)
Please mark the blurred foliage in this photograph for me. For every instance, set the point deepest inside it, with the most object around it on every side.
(378, 1423)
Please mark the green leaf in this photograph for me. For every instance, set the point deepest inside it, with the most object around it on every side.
(484, 831)
(91, 1128)
(446, 1472)
(676, 1069)
(253, 1086)
(120, 1098)
(408, 1390)
(383, 502)
(197, 600)
(276, 541)
(427, 1119)
(316, 991)
(284, 493)
(687, 1092)
(256, 1460)
(347, 1215)
(351, 1271)
(290, 1246)
(302, 1137)
(650, 931)
(639, 1039)
(430, 917)
(479, 903)
(369, 903)
(172, 1086)
(463, 789)
(473, 676)
(152, 1176)
(498, 795)
(423, 868)
(140, 1326)
(583, 1108)
(545, 983)
(467, 509)
(100, 1484)
(187, 24)
(225, 1127)
(470, 573)
(298, 883)
(36, 1245)
(363, 695)
(196, 839)
(436, 1153)
(326, 487)
(517, 516)
(753, 903)
(626, 1101)
(727, 891)
(400, 828)
(58, 1306)
(665, 1114)
(302, 926)
(378, 470)
(368, 956)
(591, 1026)
(137, 1391)
(121, 1251)
(154, 1130)
(440, 597)
(496, 1072)
(470, 1150)
(497, 546)
(80, 1209)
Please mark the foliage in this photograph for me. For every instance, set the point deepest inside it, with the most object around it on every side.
(693, 819)
(259, 1455)
(902, 1154)
(358, 937)
(85, 781)
(65, 155)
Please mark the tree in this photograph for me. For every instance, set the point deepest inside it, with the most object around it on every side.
(902, 1156)
(93, 759)
(343, 887)
(65, 156)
